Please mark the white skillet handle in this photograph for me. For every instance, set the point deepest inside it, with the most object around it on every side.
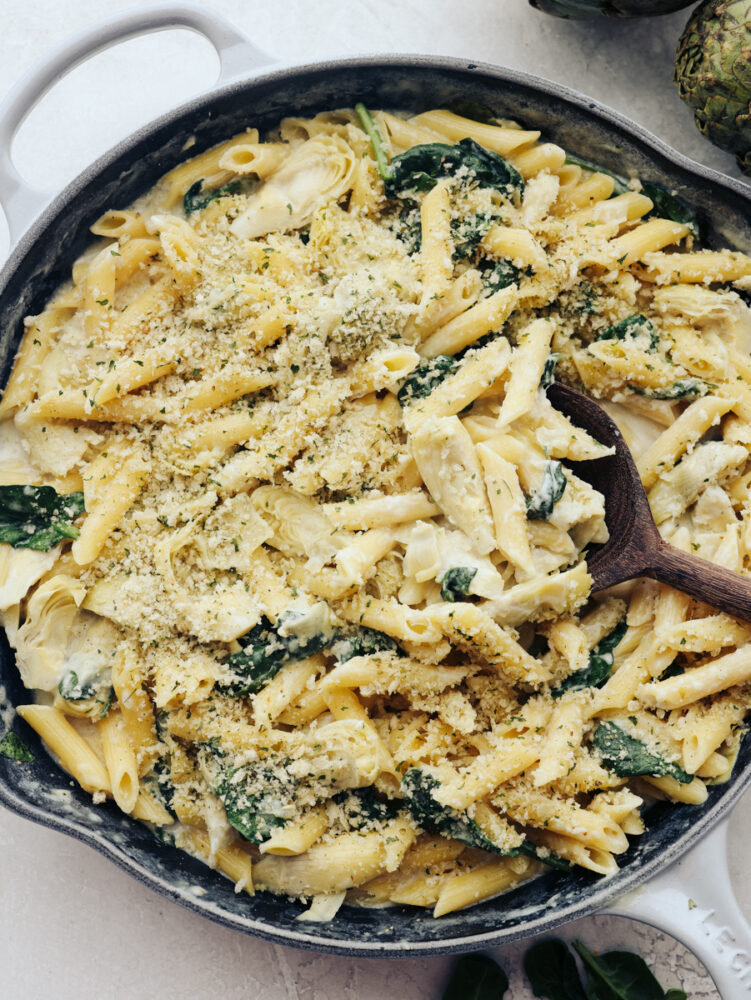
(694, 901)
(237, 55)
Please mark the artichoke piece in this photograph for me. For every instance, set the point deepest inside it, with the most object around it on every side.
(601, 8)
(713, 74)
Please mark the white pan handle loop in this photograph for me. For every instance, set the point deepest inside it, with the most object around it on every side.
(22, 202)
(694, 901)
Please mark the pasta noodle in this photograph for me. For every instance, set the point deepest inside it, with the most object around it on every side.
(315, 604)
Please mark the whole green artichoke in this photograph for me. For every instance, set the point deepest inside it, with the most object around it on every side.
(609, 8)
(713, 74)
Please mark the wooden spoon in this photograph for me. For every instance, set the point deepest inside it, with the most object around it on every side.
(636, 547)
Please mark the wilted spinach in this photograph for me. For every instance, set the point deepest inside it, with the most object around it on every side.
(630, 328)
(456, 582)
(362, 641)
(600, 664)
(669, 206)
(419, 169)
(194, 198)
(425, 378)
(14, 748)
(265, 651)
(629, 757)
(540, 504)
(684, 388)
(37, 517)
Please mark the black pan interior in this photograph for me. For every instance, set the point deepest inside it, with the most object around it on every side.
(43, 259)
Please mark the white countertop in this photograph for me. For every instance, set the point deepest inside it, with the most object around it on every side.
(71, 923)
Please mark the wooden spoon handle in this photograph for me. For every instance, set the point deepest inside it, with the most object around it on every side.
(723, 589)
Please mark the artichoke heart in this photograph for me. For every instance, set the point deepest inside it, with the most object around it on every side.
(713, 74)
(320, 171)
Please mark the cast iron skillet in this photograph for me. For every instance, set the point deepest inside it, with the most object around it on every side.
(42, 259)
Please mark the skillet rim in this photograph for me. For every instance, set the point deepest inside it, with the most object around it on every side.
(605, 890)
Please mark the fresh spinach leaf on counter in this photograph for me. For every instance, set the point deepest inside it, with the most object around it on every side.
(552, 972)
(265, 651)
(425, 378)
(37, 517)
(14, 748)
(615, 975)
(600, 664)
(622, 975)
(420, 168)
(540, 504)
(456, 582)
(629, 757)
(194, 199)
(476, 977)
(629, 329)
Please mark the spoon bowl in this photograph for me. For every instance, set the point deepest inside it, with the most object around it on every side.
(635, 547)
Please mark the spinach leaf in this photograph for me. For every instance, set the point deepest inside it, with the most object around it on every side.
(669, 206)
(425, 378)
(97, 689)
(407, 228)
(265, 651)
(257, 799)
(600, 664)
(161, 787)
(540, 504)
(473, 110)
(548, 371)
(418, 788)
(14, 748)
(578, 161)
(194, 199)
(431, 815)
(361, 806)
(37, 517)
(629, 329)
(621, 975)
(629, 757)
(420, 168)
(684, 388)
(476, 977)
(362, 642)
(530, 850)
(456, 582)
(501, 275)
(376, 141)
(552, 973)
(468, 231)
